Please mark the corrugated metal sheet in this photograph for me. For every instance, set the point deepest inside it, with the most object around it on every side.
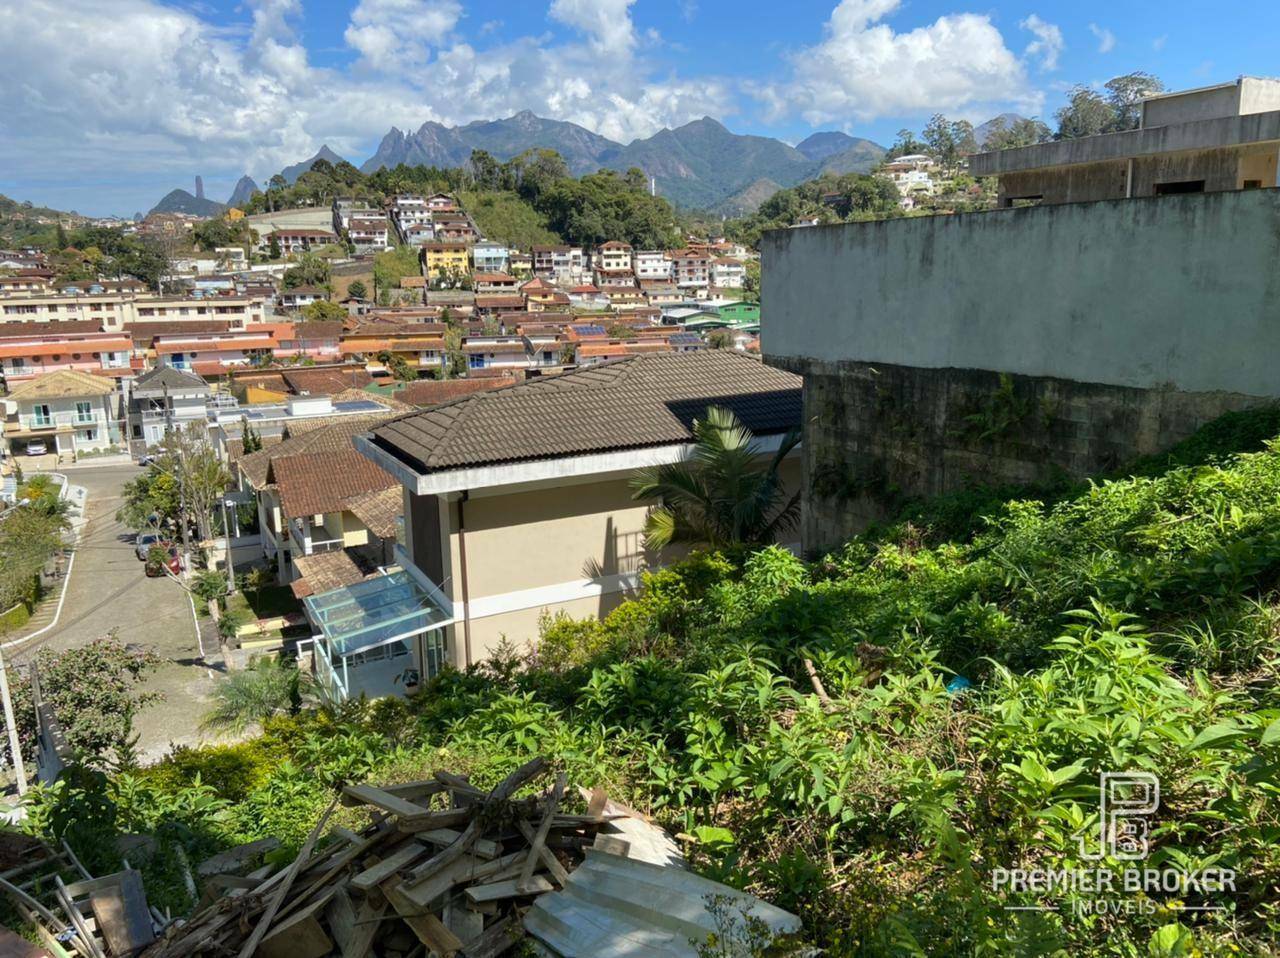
(616, 907)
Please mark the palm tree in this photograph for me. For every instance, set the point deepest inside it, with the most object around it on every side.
(267, 687)
(722, 495)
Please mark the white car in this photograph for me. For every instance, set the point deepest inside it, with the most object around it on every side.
(36, 449)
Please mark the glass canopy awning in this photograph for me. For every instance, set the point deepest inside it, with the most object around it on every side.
(387, 608)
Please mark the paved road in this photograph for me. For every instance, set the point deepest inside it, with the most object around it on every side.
(109, 591)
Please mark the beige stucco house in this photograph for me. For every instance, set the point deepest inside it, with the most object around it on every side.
(517, 502)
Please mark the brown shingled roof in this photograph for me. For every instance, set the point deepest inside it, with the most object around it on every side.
(332, 437)
(648, 400)
(321, 482)
(432, 392)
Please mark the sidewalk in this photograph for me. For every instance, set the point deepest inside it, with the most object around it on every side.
(45, 614)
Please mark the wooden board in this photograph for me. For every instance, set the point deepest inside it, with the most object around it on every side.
(380, 798)
(12, 946)
(511, 888)
(481, 847)
(372, 877)
(299, 936)
(121, 913)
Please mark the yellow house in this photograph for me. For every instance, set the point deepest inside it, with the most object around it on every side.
(447, 257)
(234, 214)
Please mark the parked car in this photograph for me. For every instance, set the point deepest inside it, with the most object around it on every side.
(36, 448)
(143, 542)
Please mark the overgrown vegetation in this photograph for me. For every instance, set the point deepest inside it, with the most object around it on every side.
(975, 685)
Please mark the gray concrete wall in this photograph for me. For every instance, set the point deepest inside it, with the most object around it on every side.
(1183, 107)
(1176, 291)
(1178, 137)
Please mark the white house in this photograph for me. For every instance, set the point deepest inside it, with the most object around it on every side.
(163, 399)
(728, 273)
(68, 412)
(651, 264)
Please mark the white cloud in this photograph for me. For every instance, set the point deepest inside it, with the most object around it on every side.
(1106, 39)
(1048, 43)
(391, 32)
(864, 69)
(1158, 43)
(161, 93)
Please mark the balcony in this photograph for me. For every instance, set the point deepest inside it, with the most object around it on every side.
(370, 633)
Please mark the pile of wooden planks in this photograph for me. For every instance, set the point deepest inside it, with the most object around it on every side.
(443, 869)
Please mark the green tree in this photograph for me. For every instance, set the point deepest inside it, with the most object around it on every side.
(357, 289)
(1125, 95)
(266, 688)
(1086, 113)
(310, 270)
(322, 309)
(722, 495)
(1024, 132)
(906, 145)
(94, 690)
(940, 138)
(250, 441)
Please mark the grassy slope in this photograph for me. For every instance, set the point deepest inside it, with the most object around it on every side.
(880, 818)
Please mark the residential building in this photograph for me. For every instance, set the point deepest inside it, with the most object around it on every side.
(911, 174)
(495, 282)
(164, 399)
(607, 279)
(315, 340)
(295, 241)
(22, 285)
(495, 352)
(70, 412)
(518, 502)
(564, 264)
(1211, 139)
(28, 350)
(728, 273)
(489, 256)
(212, 354)
(300, 296)
(369, 234)
(455, 227)
(417, 234)
(661, 292)
(441, 259)
(439, 202)
(612, 257)
(690, 268)
(286, 532)
(651, 264)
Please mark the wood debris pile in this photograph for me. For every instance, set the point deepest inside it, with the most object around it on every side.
(444, 869)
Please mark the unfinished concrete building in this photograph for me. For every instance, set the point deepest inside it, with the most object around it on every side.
(1207, 140)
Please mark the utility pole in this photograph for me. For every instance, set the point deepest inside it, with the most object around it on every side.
(15, 749)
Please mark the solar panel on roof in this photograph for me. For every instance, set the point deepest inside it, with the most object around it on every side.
(591, 329)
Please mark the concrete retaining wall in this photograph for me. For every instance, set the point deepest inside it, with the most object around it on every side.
(1122, 327)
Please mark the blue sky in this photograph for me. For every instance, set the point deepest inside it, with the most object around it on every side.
(105, 105)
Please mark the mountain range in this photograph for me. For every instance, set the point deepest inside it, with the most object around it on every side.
(698, 165)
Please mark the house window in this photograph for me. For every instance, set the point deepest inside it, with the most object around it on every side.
(84, 412)
(90, 435)
(40, 415)
(475, 361)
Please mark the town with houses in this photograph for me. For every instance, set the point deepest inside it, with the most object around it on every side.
(366, 477)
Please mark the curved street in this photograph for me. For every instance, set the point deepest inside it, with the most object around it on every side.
(108, 591)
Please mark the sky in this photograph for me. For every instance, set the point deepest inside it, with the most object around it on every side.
(106, 105)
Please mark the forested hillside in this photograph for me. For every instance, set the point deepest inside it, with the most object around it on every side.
(528, 199)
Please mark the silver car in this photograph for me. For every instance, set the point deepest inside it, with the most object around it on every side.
(143, 542)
